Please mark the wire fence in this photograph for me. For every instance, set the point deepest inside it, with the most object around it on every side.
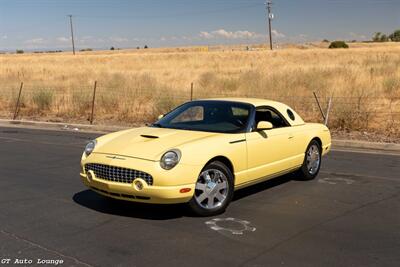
(100, 104)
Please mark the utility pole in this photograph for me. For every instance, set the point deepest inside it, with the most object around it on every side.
(72, 34)
(270, 18)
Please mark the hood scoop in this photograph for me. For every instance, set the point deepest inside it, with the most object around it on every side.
(149, 136)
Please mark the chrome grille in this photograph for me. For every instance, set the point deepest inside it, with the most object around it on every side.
(117, 174)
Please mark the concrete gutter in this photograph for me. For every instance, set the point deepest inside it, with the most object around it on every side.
(337, 144)
(356, 144)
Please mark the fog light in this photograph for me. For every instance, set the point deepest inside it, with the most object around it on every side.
(90, 175)
(138, 185)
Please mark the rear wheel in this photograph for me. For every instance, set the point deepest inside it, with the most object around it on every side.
(213, 191)
(312, 161)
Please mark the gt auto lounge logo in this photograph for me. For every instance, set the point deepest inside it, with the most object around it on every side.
(26, 262)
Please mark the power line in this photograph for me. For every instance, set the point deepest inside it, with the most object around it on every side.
(170, 15)
(72, 34)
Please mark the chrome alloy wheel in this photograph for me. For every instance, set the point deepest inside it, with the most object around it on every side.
(313, 159)
(211, 189)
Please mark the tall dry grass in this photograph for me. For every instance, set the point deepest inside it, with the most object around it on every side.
(136, 86)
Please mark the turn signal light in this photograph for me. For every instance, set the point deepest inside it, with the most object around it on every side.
(185, 190)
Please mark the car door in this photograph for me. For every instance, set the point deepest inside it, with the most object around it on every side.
(269, 152)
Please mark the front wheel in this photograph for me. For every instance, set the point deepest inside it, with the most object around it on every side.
(213, 191)
(312, 161)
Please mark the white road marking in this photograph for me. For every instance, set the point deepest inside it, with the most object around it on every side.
(360, 176)
(335, 180)
(242, 226)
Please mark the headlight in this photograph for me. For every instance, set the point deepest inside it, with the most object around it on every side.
(90, 147)
(170, 159)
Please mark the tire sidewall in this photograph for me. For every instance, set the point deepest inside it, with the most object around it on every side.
(199, 210)
(304, 170)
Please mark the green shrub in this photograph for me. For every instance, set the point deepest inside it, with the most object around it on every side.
(19, 51)
(43, 99)
(338, 44)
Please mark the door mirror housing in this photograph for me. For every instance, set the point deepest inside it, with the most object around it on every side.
(160, 116)
(264, 125)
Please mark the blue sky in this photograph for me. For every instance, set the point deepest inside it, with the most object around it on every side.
(43, 24)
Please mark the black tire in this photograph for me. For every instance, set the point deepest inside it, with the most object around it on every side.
(304, 173)
(197, 208)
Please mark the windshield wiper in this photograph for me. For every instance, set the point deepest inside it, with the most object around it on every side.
(157, 125)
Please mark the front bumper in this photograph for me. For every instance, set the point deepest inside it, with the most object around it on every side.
(166, 187)
(149, 194)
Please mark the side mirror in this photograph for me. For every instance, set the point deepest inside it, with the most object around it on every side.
(264, 125)
(160, 116)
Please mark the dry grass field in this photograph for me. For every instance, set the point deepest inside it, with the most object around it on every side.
(134, 86)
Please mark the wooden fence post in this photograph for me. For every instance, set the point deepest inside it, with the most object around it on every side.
(93, 101)
(18, 100)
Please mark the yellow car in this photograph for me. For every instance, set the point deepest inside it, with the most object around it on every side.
(204, 150)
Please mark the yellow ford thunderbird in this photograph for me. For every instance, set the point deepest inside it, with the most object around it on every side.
(204, 150)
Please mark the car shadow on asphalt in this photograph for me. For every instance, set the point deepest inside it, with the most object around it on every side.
(92, 200)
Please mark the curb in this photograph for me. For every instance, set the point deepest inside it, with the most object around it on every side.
(355, 144)
(58, 126)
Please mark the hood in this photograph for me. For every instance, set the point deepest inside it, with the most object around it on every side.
(147, 142)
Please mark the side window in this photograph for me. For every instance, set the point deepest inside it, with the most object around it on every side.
(267, 114)
(192, 114)
(290, 114)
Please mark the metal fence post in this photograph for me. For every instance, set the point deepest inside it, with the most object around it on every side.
(93, 101)
(319, 106)
(328, 110)
(18, 100)
(191, 91)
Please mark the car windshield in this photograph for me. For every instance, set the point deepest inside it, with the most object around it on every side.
(209, 116)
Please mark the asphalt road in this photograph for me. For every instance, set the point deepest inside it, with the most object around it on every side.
(348, 216)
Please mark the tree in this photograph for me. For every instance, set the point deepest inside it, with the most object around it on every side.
(377, 37)
(338, 44)
(395, 36)
(384, 38)
(112, 48)
(145, 47)
(19, 51)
